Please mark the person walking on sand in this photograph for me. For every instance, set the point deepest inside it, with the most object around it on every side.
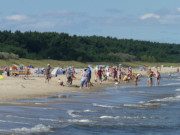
(48, 73)
(115, 73)
(8, 71)
(27, 71)
(84, 79)
(177, 70)
(100, 75)
(69, 77)
(157, 75)
(89, 78)
(119, 74)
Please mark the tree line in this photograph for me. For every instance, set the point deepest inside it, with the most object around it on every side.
(62, 46)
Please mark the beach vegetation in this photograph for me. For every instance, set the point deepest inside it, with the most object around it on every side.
(64, 47)
(6, 56)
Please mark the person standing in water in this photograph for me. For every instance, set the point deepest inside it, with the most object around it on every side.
(157, 75)
(150, 77)
(135, 78)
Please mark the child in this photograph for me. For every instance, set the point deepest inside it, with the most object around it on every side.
(60, 82)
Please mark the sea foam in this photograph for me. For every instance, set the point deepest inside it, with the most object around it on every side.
(167, 99)
(106, 106)
(177, 89)
(4, 121)
(40, 128)
(71, 113)
(81, 121)
(124, 117)
(89, 110)
(42, 119)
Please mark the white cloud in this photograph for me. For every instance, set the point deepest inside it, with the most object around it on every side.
(163, 17)
(147, 16)
(16, 17)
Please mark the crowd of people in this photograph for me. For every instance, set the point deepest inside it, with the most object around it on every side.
(116, 73)
(101, 74)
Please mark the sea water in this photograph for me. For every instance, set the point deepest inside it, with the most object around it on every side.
(124, 110)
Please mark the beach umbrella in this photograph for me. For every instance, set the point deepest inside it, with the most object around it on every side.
(57, 71)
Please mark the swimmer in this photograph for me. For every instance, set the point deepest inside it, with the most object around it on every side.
(116, 84)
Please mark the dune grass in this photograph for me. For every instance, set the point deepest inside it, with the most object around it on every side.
(41, 63)
(55, 63)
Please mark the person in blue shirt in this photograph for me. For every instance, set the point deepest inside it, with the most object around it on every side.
(89, 77)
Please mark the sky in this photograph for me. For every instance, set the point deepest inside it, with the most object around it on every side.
(150, 20)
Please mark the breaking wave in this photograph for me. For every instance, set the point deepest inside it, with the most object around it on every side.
(106, 106)
(167, 99)
(71, 113)
(40, 128)
(124, 117)
(81, 121)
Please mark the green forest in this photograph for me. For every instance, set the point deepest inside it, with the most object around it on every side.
(62, 46)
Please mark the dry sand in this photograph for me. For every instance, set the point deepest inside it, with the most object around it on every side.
(16, 88)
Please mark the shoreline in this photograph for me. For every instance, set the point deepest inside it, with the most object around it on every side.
(18, 88)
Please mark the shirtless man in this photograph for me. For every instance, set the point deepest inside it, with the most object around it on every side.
(69, 77)
(26, 71)
(48, 73)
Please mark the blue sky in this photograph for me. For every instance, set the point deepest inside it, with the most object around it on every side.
(151, 20)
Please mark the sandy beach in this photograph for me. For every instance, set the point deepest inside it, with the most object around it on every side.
(16, 88)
